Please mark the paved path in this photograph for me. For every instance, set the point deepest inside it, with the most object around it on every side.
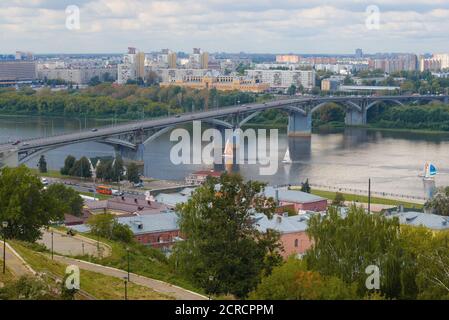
(73, 245)
(159, 286)
(14, 263)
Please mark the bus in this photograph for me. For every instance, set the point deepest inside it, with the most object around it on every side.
(104, 190)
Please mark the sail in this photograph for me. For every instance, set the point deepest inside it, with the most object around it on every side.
(430, 170)
(287, 158)
(228, 151)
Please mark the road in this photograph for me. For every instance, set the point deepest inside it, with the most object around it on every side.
(159, 286)
(73, 245)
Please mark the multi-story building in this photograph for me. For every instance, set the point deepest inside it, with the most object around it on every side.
(330, 84)
(287, 58)
(171, 60)
(223, 83)
(430, 64)
(78, 75)
(443, 58)
(283, 79)
(15, 71)
(132, 67)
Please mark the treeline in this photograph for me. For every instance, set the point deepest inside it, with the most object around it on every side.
(110, 170)
(434, 116)
(107, 100)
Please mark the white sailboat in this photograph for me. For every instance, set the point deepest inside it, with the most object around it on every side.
(228, 151)
(287, 158)
(430, 171)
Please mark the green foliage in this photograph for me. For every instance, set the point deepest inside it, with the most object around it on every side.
(221, 239)
(305, 186)
(110, 170)
(434, 116)
(291, 91)
(42, 164)
(69, 162)
(292, 280)
(107, 226)
(106, 101)
(344, 247)
(339, 200)
(439, 203)
(26, 288)
(71, 201)
(132, 173)
(81, 168)
(25, 205)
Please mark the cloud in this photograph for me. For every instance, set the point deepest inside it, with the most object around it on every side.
(225, 25)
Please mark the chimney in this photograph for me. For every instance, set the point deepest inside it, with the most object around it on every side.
(278, 219)
(276, 196)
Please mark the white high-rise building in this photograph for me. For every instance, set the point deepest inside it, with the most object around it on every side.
(283, 79)
(443, 58)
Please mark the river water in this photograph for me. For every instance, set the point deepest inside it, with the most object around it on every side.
(347, 159)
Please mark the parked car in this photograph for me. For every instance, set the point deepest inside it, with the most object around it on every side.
(44, 181)
(138, 185)
(94, 130)
(117, 193)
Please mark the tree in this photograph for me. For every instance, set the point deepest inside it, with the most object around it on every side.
(69, 162)
(117, 169)
(291, 91)
(221, 239)
(339, 200)
(26, 288)
(42, 164)
(439, 203)
(132, 173)
(305, 187)
(345, 246)
(81, 168)
(107, 226)
(292, 281)
(71, 201)
(25, 205)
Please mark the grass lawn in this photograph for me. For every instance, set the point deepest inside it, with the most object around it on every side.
(144, 261)
(8, 276)
(364, 199)
(100, 286)
(99, 196)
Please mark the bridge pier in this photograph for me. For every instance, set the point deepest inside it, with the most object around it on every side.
(299, 125)
(355, 118)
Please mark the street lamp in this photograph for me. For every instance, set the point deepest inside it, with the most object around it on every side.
(127, 251)
(4, 226)
(126, 288)
(51, 244)
(211, 278)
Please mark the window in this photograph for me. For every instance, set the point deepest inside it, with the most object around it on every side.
(296, 243)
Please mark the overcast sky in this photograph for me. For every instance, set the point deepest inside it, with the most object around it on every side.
(259, 26)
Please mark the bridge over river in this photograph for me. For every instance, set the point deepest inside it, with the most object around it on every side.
(135, 135)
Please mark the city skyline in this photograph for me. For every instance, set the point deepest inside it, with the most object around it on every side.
(226, 26)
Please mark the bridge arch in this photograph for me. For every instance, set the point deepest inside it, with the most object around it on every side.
(344, 104)
(372, 104)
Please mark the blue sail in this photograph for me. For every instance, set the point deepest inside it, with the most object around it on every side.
(432, 170)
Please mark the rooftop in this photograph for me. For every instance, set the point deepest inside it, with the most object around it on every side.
(292, 195)
(429, 220)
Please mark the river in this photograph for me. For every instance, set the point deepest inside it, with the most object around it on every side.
(345, 159)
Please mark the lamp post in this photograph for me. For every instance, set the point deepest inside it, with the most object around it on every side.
(126, 288)
(52, 245)
(4, 226)
(211, 278)
(127, 251)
